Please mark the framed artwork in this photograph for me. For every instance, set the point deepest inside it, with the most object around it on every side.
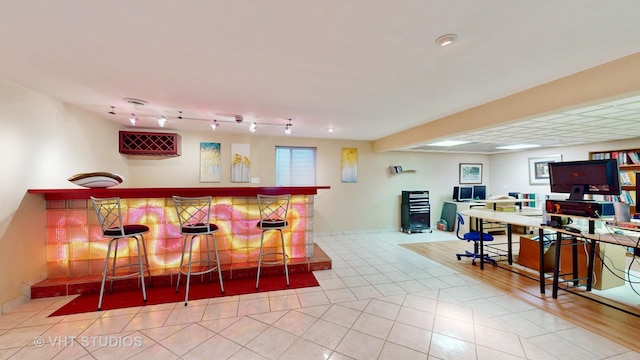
(240, 162)
(209, 162)
(539, 169)
(349, 165)
(470, 173)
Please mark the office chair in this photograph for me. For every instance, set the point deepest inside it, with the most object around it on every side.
(475, 237)
(194, 216)
(273, 216)
(110, 217)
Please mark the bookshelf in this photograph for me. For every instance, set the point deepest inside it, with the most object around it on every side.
(629, 163)
(533, 200)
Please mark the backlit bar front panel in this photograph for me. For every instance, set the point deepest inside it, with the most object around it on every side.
(76, 248)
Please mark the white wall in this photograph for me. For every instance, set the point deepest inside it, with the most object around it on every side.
(372, 203)
(510, 172)
(42, 143)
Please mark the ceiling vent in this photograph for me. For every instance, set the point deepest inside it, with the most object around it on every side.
(136, 103)
(239, 118)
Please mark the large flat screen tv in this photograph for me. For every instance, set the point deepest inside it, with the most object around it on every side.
(584, 177)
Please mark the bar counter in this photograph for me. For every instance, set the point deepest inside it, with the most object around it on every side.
(76, 248)
(137, 193)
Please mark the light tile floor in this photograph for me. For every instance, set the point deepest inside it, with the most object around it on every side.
(380, 301)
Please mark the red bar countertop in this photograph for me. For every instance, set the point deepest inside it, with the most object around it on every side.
(137, 193)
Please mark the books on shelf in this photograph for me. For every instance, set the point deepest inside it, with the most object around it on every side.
(627, 177)
(628, 196)
(626, 157)
(535, 200)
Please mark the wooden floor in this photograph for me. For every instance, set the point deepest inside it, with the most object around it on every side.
(621, 325)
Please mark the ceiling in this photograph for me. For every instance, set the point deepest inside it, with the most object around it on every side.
(367, 69)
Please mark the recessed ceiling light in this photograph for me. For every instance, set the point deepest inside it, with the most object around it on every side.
(449, 143)
(445, 40)
(517, 146)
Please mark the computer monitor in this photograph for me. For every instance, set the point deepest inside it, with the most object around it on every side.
(584, 177)
(479, 192)
(465, 193)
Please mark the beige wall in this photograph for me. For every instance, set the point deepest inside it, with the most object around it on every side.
(370, 204)
(44, 141)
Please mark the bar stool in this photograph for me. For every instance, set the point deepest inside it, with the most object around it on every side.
(194, 215)
(110, 217)
(273, 216)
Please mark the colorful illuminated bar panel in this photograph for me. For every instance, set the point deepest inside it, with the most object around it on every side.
(76, 248)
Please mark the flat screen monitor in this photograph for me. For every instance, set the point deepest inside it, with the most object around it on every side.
(584, 177)
(465, 193)
(479, 192)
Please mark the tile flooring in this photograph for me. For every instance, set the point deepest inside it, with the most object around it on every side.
(379, 301)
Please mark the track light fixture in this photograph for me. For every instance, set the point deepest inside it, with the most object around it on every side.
(287, 128)
(214, 120)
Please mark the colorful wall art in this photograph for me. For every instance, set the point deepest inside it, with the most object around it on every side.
(209, 162)
(240, 162)
(349, 165)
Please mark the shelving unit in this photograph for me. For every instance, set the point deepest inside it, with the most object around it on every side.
(629, 162)
(415, 212)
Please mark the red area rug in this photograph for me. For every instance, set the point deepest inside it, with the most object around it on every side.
(167, 294)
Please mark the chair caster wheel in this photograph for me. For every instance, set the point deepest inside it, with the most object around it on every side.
(458, 258)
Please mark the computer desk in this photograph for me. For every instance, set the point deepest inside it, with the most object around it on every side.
(514, 201)
(509, 218)
(624, 238)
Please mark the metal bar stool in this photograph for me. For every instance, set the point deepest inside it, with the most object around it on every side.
(110, 217)
(273, 216)
(194, 214)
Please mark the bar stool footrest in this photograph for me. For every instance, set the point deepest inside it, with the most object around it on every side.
(211, 266)
(145, 267)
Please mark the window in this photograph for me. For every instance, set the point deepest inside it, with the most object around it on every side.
(295, 166)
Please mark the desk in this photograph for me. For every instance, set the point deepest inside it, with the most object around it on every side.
(623, 239)
(626, 238)
(510, 219)
(495, 202)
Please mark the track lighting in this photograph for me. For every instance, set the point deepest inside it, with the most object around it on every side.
(287, 128)
(214, 120)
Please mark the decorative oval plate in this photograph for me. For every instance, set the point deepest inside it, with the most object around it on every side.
(96, 179)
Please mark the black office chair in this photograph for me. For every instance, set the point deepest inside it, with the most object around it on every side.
(475, 237)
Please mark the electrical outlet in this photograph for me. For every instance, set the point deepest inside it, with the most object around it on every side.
(255, 180)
